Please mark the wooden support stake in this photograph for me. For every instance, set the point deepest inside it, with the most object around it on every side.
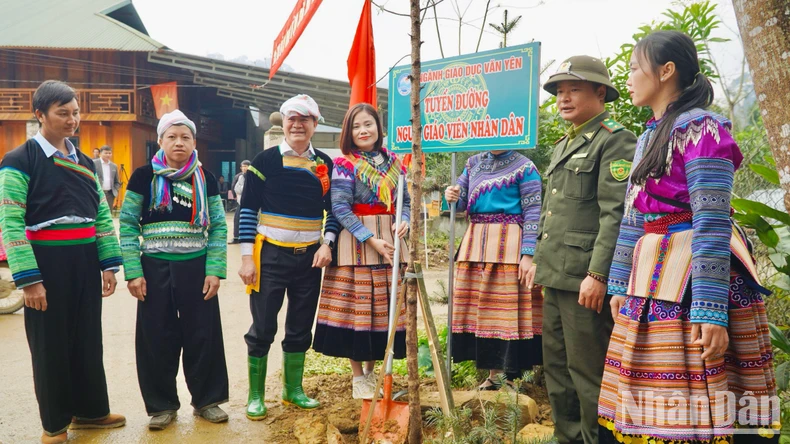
(440, 370)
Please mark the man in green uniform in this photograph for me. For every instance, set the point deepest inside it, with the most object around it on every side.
(579, 224)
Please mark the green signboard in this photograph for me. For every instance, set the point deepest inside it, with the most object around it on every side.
(476, 102)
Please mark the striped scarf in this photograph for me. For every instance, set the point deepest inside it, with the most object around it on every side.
(160, 190)
(382, 182)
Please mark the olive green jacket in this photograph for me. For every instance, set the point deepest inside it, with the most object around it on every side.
(583, 204)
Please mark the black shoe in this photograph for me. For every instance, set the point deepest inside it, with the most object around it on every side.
(234, 241)
(490, 385)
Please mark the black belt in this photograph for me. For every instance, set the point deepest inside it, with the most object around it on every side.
(294, 250)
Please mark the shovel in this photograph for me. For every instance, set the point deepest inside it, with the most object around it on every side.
(388, 421)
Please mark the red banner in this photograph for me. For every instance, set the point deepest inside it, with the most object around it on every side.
(165, 98)
(294, 26)
(362, 61)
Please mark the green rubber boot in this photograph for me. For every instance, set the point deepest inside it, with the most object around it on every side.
(256, 409)
(293, 369)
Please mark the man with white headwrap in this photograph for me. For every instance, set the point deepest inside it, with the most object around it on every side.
(175, 206)
(282, 249)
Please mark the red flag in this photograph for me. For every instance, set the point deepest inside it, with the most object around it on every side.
(362, 61)
(297, 21)
(165, 98)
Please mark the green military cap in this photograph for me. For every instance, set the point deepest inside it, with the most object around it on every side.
(586, 68)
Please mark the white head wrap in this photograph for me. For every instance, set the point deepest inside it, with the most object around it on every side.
(301, 105)
(175, 117)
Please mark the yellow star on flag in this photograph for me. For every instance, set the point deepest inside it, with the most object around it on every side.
(165, 97)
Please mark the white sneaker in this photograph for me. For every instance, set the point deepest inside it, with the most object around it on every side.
(362, 389)
(373, 379)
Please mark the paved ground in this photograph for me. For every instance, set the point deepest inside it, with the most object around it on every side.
(19, 421)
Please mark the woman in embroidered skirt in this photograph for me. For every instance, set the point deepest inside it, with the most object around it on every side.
(175, 206)
(497, 322)
(690, 357)
(354, 309)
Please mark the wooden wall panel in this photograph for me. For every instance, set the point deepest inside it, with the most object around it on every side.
(116, 134)
(93, 135)
(32, 67)
(12, 134)
(141, 136)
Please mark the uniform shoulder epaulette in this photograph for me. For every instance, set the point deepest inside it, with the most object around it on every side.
(612, 126)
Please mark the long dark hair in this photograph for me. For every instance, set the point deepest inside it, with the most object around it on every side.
(696, 91)
(346, 137)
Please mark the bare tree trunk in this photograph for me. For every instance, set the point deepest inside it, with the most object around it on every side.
(765, 30)
(482, 27)
(415, 414)
(438, 34)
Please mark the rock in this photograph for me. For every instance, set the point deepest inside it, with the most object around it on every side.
(333, 435)
(535, 432)
(343, 423)
(528, 408)
(430, 400)
(310, 430)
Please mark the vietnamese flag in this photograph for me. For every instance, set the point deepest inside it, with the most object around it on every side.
(165, 98)
(362, 61)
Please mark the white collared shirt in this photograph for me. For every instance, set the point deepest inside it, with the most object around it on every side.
(286, 150)
(107, 178)
(50, 150)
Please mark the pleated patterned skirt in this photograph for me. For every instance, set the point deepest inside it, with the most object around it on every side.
(353, 313)
(656, 388)
(497, 322)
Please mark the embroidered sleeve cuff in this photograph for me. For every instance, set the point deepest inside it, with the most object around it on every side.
(132, 273)
(27, 277)
(246, 249)
(216, 270)
(362, 234)
(111, 264)
(617, 287)
(26, 283)
(704, 312)
(529, 251)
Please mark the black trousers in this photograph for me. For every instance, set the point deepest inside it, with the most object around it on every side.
(110, 198)
(66, 340)
(173, 317)
(236, 220)
(281, 271)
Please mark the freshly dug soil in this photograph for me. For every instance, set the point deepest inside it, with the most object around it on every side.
(339, 409)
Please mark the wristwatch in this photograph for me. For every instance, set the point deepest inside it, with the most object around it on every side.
(330, 243)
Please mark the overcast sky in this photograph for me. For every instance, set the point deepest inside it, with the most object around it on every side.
(564, 27)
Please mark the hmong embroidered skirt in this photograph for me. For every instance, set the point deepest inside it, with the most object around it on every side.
(353, 313)
(497, 322)
(657, 388)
